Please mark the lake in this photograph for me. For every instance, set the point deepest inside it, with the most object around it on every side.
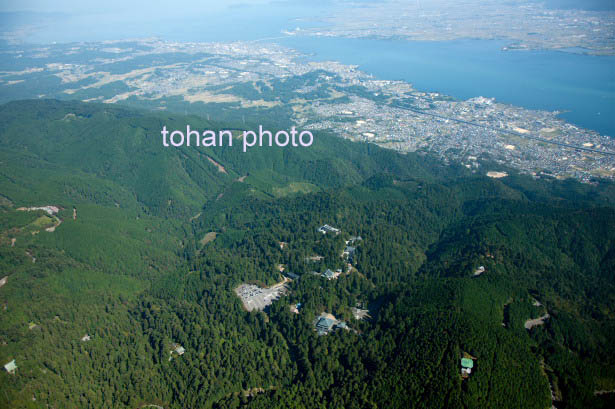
(582, 86)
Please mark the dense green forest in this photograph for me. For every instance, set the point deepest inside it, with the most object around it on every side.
(97, 295)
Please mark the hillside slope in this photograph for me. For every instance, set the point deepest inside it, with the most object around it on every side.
(141, 247)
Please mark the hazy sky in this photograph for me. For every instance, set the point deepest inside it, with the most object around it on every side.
(130, 6)
(181, 20)
(185, 6)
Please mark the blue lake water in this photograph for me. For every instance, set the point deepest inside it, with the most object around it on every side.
(581, 86)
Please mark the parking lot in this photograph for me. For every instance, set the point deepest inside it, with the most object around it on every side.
(257, 298)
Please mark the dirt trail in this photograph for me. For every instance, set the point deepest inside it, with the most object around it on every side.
(555, 394)
(216, 164)
(29, 254)
(211, 236)
(603, 392)
(53, 228)
(529, 324)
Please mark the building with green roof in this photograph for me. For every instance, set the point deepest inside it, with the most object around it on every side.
(467, 363)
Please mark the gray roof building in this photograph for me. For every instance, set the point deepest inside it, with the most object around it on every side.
(324, 325)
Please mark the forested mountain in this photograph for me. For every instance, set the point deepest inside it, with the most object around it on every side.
(149, 243)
